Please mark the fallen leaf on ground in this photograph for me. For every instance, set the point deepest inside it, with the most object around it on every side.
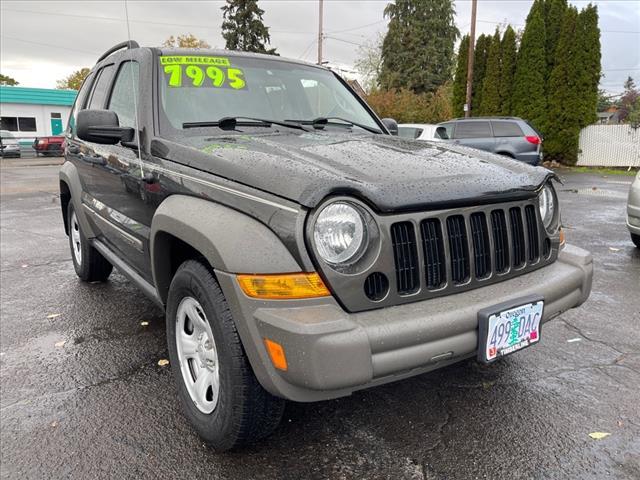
(54, 424)
(53, 315)
(163, 362)
(60, 343)
(24, 266)
(613, 249)
(571, 340)
(144, 324)
(599, 435)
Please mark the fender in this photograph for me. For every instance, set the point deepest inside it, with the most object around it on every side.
(230, 241)
(69, 175)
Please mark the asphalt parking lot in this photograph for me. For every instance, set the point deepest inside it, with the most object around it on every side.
(82, 395)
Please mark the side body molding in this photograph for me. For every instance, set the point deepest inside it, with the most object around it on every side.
(230, 241)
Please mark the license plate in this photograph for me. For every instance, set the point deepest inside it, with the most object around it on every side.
(507, 328)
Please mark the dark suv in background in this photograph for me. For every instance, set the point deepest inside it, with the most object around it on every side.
(509, 136)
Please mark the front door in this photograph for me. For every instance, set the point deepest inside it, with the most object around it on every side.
(56, 123)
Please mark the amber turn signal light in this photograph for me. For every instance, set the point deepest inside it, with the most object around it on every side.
(561, 237)
(288, 286)
(276, 353)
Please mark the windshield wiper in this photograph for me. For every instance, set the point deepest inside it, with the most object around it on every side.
(320, 122)
(229, 123)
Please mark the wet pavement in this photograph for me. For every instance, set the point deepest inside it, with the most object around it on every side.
(82, 395)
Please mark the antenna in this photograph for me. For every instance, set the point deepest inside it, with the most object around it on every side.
(134, 90)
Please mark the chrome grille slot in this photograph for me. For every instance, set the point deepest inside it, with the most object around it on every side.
(405, 255)
(458, 249)
(481, 250)
(517, 237)
(532, 233)
(433, 248)
(500, 241)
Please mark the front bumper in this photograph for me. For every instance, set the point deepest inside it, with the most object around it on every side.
(332, 353)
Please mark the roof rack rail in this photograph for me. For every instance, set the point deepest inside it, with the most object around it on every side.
(128, 44)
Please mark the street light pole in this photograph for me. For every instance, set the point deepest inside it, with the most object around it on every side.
(320, 33)
(472, 40)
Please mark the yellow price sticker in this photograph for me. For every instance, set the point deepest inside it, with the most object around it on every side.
(189, 71)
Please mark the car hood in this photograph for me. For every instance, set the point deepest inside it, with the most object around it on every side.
(391, 173)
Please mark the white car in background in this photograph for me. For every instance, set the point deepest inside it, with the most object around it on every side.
(633, 211)
(9, 146)
(421, 131)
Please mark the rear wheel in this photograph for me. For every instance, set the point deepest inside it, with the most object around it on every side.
(635, 239)
(88, 263)
(218, 390)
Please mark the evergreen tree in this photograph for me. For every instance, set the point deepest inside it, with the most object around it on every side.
(481, 52)
(555, 11)
(629, 98)
(460, 79)
(417, 51)
(563, 129)
(508, 66)
(243, 28)
(491, 84)
(7, 80)
(587, 41)
(529, 100)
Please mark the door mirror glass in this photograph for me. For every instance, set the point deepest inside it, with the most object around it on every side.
(391, 125)
(101, 126)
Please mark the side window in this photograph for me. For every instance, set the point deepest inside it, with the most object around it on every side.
(122, 97)
(79, 103)
(506, 129)
(99, 92)
(475, 129)
(409, 132)
(444, 131)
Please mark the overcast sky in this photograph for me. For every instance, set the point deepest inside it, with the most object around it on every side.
(43, 41)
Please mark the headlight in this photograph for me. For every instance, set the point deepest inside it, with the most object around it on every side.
(547, 204)
(339, 233)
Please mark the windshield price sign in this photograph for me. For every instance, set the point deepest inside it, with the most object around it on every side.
(196, 71)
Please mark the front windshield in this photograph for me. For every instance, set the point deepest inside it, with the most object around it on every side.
(208, 88)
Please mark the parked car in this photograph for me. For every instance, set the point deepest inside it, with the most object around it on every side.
(299, 250)
(9, 145)
(633, 211)
(49, 146)
(419, 131)
(509, 136)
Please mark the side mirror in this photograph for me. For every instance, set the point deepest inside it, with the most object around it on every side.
(391, 125)
(102, 126)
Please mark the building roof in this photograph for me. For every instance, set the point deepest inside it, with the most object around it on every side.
(37, 96)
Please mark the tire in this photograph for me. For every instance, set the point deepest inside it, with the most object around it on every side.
(635, 239)
(242, 412)
(88, 263)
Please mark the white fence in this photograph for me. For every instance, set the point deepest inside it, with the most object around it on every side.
(609, 146)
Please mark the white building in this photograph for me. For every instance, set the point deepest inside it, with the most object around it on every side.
(34, 112)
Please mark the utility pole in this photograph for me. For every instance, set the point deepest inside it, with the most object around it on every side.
(320, 33)
(472, 41)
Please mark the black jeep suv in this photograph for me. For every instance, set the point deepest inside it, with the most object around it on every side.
(300, 251)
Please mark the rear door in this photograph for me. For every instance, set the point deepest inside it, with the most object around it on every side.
(510, 138)
(475, 134)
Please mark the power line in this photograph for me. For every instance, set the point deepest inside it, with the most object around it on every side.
(50, 45)
(357, 28)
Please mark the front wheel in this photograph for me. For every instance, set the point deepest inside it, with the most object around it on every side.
(635, 239)
(88, 263)
(218, 390)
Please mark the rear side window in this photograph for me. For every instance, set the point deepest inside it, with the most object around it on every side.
(506, 129)
(409, 132)
(125, 94)
(476, 129)
(99, 93)
(444, 131)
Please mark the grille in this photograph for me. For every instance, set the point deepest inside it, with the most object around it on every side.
(405, 255)
(481, 249)
(458, 249)
(433, 248)
(517, 237)
(376, 286)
